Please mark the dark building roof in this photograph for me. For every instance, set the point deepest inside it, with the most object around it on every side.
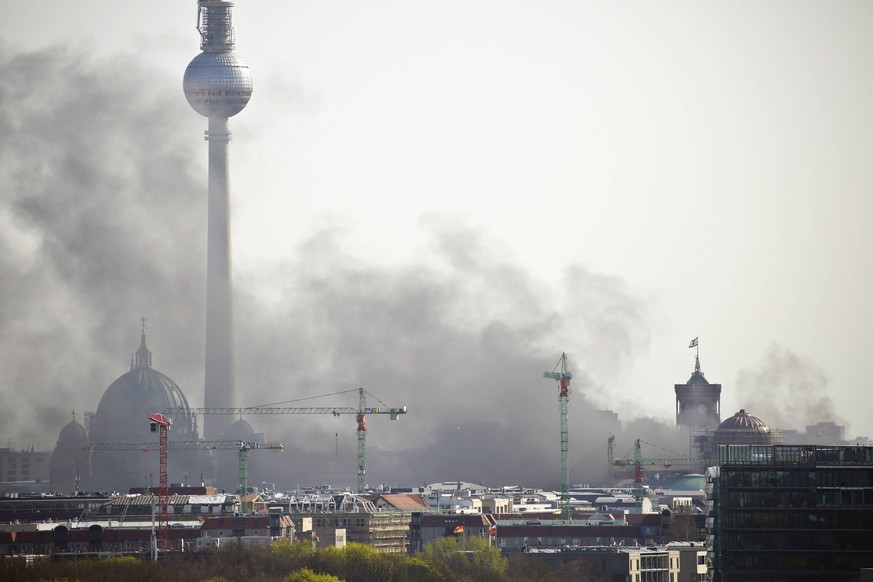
(249, 522)
(95, 533)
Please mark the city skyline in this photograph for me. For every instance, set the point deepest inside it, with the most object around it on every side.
(435, 203)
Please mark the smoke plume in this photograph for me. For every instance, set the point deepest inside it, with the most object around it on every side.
(786, 390)
(102, 208)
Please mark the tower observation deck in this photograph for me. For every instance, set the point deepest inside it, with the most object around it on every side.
(218, 85)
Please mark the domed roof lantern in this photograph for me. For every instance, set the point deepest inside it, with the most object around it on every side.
(143, 357)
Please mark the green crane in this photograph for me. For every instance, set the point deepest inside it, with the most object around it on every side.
(638, 462)
(563, 378)
(360, 413)
(242, 447)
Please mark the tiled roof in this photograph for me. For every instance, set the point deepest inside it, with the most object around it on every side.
(405, 500)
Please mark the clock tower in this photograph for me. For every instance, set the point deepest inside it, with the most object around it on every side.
(698, 403)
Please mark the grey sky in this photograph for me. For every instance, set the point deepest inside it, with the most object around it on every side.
(607, 178)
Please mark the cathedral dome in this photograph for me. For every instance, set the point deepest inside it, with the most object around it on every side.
(122, 413)
(743, 429)
(122, 417)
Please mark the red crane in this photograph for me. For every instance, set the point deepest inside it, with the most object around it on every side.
(161, 424)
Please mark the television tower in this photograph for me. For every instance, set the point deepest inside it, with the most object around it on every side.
(218, 85)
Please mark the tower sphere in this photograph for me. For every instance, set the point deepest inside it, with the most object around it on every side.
(217, 84)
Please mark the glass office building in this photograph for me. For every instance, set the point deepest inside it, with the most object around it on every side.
(791, 512)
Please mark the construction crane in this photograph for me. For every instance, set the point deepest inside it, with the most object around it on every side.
(563, 378)
(360, 413)
(638, 462)
(242, 447)
(161, 424)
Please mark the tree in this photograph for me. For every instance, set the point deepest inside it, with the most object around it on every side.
(470, 557)
(307, 575)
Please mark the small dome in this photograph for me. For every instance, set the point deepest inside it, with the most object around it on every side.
(68, 463)
(742, 429)
(217, 84)
(239, 431)
(690, 482)
(72, 436)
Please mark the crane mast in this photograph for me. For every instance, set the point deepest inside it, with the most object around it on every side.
(362, 442)
(563, 378)
(161, 424)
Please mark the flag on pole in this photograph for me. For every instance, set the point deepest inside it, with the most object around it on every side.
(693, 343)
(459, 529)
(492, 530)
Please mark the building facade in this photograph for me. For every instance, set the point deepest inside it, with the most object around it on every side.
(427, 527)
(23, 467)
(617, 564)
(791, 512)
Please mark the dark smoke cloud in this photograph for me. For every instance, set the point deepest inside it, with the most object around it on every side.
(102, 186)
(99, 211)
(786, 390)
(462, 337)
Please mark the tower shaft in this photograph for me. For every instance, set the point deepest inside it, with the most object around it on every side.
(219, 379)
(218, 85)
